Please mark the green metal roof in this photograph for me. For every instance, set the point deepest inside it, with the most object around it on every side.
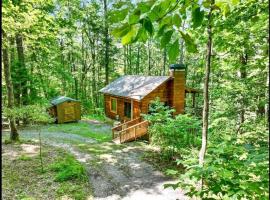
(61, 99)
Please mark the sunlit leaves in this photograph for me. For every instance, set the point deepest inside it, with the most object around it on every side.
(147, 24)
(145, 6)
(121, 31)
(134, 17)
(141, 35)
(191, 46)
(118, 15)
(176, 20)
(130, 35)
(166, 38)
(173, 51)
(197, 17)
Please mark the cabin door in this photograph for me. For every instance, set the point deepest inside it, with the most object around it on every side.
(127, 110)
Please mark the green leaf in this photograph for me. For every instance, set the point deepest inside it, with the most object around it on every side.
(171, 172)
(161, 30)
(235, 2)
(166, 20)
(166, 38)
(155, 13)
(121, 31)
(142, 35)
(174, 186)
(191, 47)
(130, 36)
(118, 15)
(145, 6)
(224, 7)
(173, 51)
(176, 20)
(134, 17)
(147, 24)
(197, 17)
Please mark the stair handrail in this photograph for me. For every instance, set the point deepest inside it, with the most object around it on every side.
(123, 132)
(145, 121)
(120, 125)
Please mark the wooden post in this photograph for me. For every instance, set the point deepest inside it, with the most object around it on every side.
(120, 137)
(135, 129)
(131, 113)
(112, 134)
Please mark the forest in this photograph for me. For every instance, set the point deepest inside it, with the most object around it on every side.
(74, 48)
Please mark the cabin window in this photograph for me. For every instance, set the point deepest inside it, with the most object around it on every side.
(127, 109)
(113, 105)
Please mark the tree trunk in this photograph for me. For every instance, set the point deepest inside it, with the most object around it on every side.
(164, 62)
(15, 76)
(23, 73)
(206, 92)
(149, 58)
(125, 60)
(243, 75)
(13, 130)
(137, 71)
(181, 60)
(129, 58)
(106, 34)
(266, 106)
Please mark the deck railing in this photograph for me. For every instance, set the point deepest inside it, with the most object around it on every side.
(133, 132)
(123, 126)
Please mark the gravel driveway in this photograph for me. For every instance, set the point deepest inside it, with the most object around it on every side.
(116, 172)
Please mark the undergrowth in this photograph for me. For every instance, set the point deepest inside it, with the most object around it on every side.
(68, 168)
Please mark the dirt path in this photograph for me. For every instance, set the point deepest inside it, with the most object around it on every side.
(116, 172)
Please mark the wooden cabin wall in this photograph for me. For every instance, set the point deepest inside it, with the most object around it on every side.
(120, 107)
(163, 92)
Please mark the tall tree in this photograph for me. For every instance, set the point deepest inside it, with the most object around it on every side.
(206, 88)
(107, 42)
(13, 130)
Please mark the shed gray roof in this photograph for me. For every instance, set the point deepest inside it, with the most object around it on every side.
(61, 99)
(134, 86)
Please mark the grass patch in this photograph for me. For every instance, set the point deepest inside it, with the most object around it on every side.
(83, 129)
(68, 168)
(98, 117)
(97, 149)
(73, 190)
(24, 158)
(22, 177)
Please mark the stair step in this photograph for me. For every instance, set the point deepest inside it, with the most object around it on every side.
(116, 140)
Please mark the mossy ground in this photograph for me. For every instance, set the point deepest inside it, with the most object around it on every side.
(23, 178)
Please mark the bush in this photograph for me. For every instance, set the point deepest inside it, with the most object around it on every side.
(171, 134)
(236, 166)
(68, 168)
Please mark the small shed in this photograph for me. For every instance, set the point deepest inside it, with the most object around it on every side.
(65, 109)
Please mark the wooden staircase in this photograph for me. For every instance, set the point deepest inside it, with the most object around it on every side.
(129, 131)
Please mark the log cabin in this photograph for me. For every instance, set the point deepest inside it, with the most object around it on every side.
(129, 96)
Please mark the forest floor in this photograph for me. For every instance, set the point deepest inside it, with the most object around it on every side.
(114, 171)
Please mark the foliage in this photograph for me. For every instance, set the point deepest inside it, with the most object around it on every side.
(32, 113)
(15, 181)
(171, 134)
(236, 166)
(68, 168)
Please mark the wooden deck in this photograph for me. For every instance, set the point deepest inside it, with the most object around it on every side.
(129, 131)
